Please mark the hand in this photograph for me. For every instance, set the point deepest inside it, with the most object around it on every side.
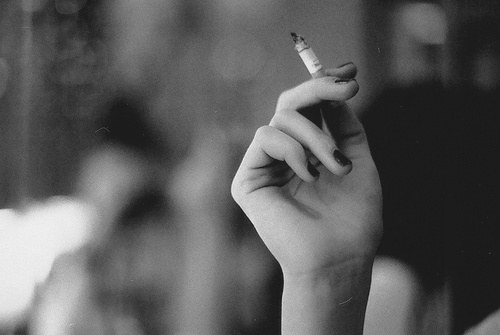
(312, 223)
(314, 196)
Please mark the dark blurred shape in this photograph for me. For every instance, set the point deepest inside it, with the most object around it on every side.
(148, 202)
(435, 147)
(473, 248)
(406, 127)
(126, 124)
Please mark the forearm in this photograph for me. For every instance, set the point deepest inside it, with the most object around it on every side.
(333, 302)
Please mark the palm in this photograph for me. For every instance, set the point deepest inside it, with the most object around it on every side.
(335, 217)
(310, 224)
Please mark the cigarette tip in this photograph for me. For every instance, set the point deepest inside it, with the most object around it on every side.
(294, 36)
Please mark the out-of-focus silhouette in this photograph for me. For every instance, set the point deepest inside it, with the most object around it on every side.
(433, 141)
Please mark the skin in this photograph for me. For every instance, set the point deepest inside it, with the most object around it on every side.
(323, 230)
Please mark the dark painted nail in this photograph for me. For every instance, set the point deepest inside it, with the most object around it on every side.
(348, 63)
(312, 170)
(340, 158)
(342, 81)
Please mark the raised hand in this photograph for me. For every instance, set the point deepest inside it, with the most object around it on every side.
(313, 194)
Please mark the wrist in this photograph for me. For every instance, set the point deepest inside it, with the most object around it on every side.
(328, 301)
(355, 271)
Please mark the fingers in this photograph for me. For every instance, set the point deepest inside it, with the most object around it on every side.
(345, 127)
(346, 71)
(290, 135)
(314, 139)
(313, 92)
(271, 144)
(259, 169)
(338, 85)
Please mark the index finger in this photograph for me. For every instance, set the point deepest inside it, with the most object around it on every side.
(315, 91)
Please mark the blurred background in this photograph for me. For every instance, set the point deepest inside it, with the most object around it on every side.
(122, 123)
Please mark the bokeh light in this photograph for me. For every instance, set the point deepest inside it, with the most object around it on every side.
(425, 22)
(17, 284)
(30, 242)
(32, 5)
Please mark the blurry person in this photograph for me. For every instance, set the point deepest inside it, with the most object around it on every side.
(473, 252)
(405, 124)
(440, 205)
(161, 258)
(166, 253)
(118, 282)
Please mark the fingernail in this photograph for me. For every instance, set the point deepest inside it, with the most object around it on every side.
(312, 170)
(348, 63)
(342, 81)
(340, 158)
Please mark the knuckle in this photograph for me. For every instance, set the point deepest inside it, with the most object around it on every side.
(262, 132)
(295, 151)
(240, 189)
(294, 147)
(278, 119)
(283, 99)
(237, 190)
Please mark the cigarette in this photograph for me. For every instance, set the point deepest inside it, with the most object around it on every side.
(308, 56)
